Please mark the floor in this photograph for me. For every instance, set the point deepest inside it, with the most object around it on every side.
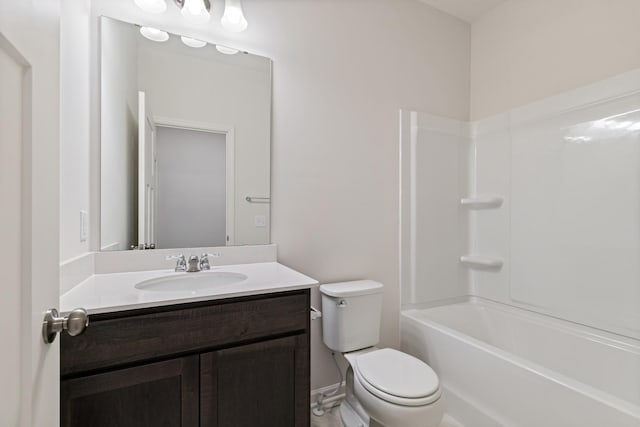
(331, 418)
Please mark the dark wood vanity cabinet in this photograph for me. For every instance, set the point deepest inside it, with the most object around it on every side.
(155, 394)
(259, 383)
(226, 363)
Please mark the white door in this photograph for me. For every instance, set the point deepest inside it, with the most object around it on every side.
(146, 172)
(29, 218)
(230, 165)
(191, 188)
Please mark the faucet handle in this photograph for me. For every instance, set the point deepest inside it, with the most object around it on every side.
(181, 264)
(204, 260)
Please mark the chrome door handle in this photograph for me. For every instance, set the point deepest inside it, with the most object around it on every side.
(75, 324)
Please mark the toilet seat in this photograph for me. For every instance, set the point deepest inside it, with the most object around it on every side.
(397, 377)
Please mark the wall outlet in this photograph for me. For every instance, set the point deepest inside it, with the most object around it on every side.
(260, 221)
(84, 226)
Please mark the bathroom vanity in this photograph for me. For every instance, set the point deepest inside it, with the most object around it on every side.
(203, 360)
(228, 347)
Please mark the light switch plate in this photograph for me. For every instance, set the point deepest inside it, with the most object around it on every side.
(260, 221)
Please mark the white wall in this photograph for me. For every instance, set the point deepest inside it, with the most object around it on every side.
(205, 87)
(74, 125)
(119, 136)
(342, 71)
(191, 188)
(339, 80)
(524, 51)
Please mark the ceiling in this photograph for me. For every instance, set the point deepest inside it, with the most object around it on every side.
(467, 10)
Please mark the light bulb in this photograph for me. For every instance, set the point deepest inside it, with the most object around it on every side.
(226, 50)
(154, 34)
(233, 18)
(195, 9)
(152, 6)
(192, 42)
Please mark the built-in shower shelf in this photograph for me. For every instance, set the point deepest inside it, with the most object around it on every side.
(483, 262)
(482, 202)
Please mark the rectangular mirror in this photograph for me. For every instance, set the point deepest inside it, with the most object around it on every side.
(185, 142)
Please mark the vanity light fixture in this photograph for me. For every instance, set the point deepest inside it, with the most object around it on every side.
(233, 19)
(152, 6)
(154, 34)
(192, 42)
(196, 10)
(226, 50)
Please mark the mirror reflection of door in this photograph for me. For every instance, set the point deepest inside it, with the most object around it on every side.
(147, 178)
(191, 188)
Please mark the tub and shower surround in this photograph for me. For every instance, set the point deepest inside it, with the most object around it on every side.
(539, 210)
(502, 366)
(569, 228)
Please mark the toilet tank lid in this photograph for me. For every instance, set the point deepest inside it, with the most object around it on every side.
(351, 289)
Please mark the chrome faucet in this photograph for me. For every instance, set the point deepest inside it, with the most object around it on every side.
(194, 264)
(204, 260)
(181, 263)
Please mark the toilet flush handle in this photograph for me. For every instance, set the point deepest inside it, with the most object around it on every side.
(342, 303)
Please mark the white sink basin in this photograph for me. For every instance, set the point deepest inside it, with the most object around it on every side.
(199, 281)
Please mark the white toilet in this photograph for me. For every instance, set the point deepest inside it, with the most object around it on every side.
(385, 387)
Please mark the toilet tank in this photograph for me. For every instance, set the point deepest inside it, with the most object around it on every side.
(351, 314)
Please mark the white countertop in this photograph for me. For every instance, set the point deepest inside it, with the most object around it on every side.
(105, 293)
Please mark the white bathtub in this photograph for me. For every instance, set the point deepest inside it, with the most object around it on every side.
(502, 366)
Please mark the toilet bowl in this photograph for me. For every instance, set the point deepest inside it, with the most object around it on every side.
(385, 387)
(395, 389)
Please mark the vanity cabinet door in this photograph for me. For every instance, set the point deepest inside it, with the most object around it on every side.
(265, 384)
(162, 394)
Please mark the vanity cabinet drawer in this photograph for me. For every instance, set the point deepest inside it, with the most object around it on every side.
(118, 339)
